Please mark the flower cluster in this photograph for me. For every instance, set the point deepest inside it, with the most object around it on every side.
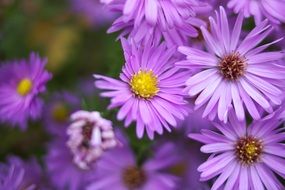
(195, 72)
(143, 20)
(230, 77)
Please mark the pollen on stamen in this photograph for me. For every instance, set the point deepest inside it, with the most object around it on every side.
(232, 66)
(248, 150)
(144, 84)
(24, 87)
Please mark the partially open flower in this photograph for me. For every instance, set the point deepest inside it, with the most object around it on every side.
(89, 136)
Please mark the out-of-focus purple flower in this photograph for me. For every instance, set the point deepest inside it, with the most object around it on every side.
(89, 136)
(261, 9)
(57, 112)
(150, 90)
(186, 168)
(234, 73)
(142, 19)
(17, 174)
(193, 123)
(244, 157)
(86, 87)
(11, 177)
(189, 153)
(93, 11)
(118, 168)
(62, 171)
(21, 83)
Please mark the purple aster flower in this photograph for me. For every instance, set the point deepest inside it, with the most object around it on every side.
(150, 89)
(194, 122)
(89, 136)
(187, 167)
(270, 9)
(62, 171)
(86, 88)
(142, 19)
(58, 110)
(93, 11)
(188, 152)
(234, 73)
(278, 32)
(118, 168)
(11, 177)
(21, 83)
(17, 174)
(244, 157)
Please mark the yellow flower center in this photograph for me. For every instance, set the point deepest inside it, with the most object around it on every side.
(60, 113)
(144, 84)
(24, 87)
(251, 149)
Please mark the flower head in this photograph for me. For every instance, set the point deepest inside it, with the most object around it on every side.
(21, 83)
(58, 111)
(118, 168)
(244, 157)
(174, 20)
(89, 136)
(234, 73)
(93, 11)
(188, 154)
(270, 9)
(17, 174)
(62, 171)
(150, 89)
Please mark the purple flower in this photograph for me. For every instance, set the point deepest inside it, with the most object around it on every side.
(150, 90)
(89, 136)
(188, 152)
(143, 19)
(17, 174)
(62, 171)
(11, 177)
(93, 11)
(271, 9)
(191, 159)
(234, 73)
(21, 83)
(118, 168)
(244, 157)
(193, 123)
(58, 110)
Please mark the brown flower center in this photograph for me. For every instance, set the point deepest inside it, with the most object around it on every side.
(133, 177)
(232, 66)
(87, 131)
(248, 150)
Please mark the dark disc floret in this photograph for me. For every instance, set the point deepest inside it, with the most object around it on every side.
(133, 177)
(232, 66)
(87, 131)
(248, 150)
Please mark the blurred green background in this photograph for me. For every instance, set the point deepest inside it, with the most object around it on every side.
(76, 49)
